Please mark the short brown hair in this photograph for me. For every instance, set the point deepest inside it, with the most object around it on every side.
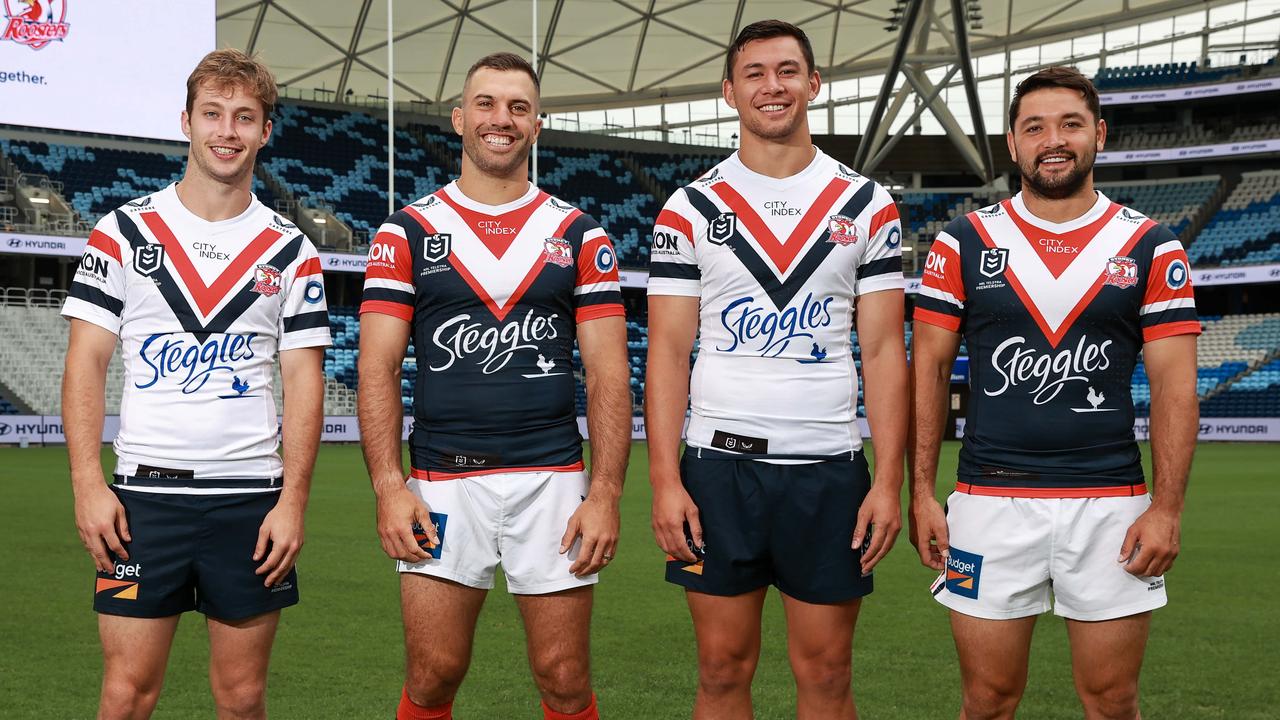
(1056, 77)
(229, 69)
(763, 30)
(505, 62)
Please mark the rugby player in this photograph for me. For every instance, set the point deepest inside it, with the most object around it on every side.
(493, 280)
(770, 260)
(201, 287)
(1055, 292)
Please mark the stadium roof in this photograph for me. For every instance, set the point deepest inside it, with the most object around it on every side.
(610, 53)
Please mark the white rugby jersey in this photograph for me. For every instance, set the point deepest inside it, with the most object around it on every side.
(777, 264)
(201, 309)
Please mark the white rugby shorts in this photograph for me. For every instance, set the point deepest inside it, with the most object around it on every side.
(514, 519)
(1010, 555)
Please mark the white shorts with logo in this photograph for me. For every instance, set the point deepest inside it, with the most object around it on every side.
(1009, 555)
(516, 519)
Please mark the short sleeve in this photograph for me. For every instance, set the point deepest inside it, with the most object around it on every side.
(1168, 303)
(388, 276)
(880, 265)
(596, 291)
(97, 291)
(673, 266)
(941, 298)
(304, 321)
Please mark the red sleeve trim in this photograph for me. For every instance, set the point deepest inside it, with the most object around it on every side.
(385, 307)
(674, 221)
(103, 242)
(437, 475)
(1060, 492)
(595, 312)
(937, 319)
(311, 266)
(1182, 327)
(886, 215)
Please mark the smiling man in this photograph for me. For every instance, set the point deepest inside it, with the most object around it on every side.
(200, 286)
(494, 279)
(768, 259)
(1055, 292)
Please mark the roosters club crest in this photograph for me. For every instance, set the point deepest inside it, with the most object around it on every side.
(35, 23)
(1121, 272)
(842, 229)
(557, 251)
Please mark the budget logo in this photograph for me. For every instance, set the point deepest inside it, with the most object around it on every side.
(122, 582)
(964, 571)
(35, 23)
(439, 520)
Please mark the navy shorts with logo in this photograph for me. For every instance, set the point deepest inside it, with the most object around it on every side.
(770, 524)
(192, 552)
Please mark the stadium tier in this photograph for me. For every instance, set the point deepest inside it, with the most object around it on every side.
(1143, 77)
(1246, 230)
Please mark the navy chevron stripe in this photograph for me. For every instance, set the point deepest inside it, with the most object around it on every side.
(187, 317)
(780, 292)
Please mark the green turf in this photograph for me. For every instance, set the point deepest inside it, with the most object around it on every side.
(1212, 655)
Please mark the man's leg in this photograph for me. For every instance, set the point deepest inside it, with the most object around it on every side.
(439, 627)
(993, 664)
(239, 653)
(1106, 657)
(728, 633)
(134, 653)
(557, 627)
(820, 646)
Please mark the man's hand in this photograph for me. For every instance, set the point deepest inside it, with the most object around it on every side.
(101, 521)
(929, 532)
(398, 510)
(279, 541)
(880, 517)
(672, 510)
(596, 522)
(1151, 544)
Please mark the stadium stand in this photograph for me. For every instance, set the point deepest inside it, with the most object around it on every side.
(1246, 230)
(1145, 136)
(1178, 203)
(6, 408)
(1143, 77)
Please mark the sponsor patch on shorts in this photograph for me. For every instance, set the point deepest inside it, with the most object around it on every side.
(420, 534)
(964, 572)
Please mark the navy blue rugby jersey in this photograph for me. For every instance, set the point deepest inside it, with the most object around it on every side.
(494, 295)
(1054, 316)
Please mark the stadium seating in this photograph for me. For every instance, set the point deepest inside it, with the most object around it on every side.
(97, 180)
(926, 212)
(1178, 203)
(1144, 77)
(6, 408)
(1246, 230)
(1133, 136)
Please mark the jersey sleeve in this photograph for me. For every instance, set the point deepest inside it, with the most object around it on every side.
(388, 277)
(596, 290)
(304, 321)
(880, 265)
(673, 266)
(942, 296)
(1168, 304)
(97, 291)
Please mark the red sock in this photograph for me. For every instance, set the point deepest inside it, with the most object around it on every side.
(591, 712)
(409, 710)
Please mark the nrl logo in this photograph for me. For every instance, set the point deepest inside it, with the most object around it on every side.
(722, 228)
(148, 259)
(436, 247)
(994, 261)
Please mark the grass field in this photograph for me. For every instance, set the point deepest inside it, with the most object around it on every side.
(1213, 654)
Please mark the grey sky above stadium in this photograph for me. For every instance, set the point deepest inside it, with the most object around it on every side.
(612, 53)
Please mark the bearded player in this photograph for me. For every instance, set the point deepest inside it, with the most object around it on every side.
(1055, 292)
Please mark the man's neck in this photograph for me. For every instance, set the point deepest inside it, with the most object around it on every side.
(1064, 210)
(489, 190)
(211, 200)
(776, 158)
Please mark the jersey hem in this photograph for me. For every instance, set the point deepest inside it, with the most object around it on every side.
(1157, 332)
(438, 475)
(1053, 492)
(942, 320)
(382, 307)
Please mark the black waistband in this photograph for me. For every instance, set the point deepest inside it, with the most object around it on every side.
(709, 454)
(187, 482)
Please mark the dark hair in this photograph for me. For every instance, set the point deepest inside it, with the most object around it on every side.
(763, 30)
(229, 69)
(1056, 77)
(506, 62)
